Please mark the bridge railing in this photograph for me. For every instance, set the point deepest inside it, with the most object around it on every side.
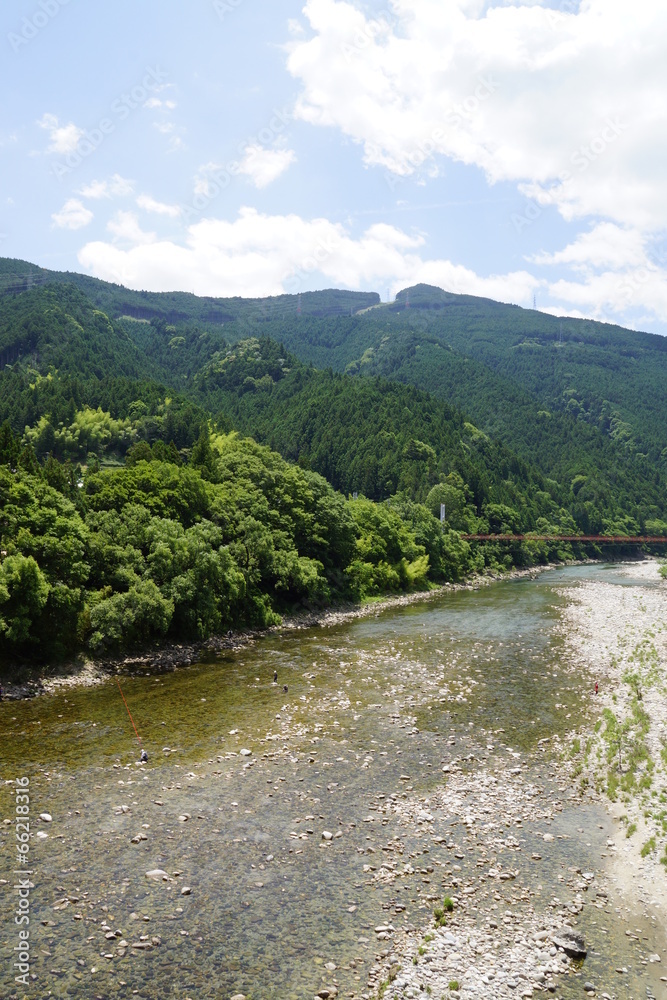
(599, 539)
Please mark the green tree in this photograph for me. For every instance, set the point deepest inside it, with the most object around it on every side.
(24, 592)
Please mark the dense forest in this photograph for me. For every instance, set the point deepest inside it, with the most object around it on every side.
(168, 476)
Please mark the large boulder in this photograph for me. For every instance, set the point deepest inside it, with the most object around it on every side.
(571, 942)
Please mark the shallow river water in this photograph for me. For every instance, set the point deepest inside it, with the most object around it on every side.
(375, 708)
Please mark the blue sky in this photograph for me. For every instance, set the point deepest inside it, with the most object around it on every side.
(241, 147)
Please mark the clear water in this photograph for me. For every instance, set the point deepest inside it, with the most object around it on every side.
(368, 702)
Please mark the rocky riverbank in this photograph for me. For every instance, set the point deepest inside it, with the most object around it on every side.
(619, 634)
(397, 802)
(86, 672)
(499, 941)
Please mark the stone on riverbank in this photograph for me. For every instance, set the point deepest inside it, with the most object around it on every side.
(571, 942)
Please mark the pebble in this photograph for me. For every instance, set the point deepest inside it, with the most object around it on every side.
(186, 890)
(245, 753)
(46, 817)
(156, 873)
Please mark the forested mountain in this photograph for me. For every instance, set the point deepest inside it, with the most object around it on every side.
(135, 504)
(17, 276)
(570, 395)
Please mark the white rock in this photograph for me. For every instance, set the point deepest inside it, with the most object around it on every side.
(156, 873)
(326, 835)
(245, 753)
(46, 817)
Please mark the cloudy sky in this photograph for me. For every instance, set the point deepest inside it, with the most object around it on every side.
(248, 147)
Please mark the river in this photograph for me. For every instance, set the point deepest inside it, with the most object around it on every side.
(374, 709)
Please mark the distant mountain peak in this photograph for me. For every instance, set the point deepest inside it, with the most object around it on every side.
(424, 296)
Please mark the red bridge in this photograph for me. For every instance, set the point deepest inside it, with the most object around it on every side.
(601, 539)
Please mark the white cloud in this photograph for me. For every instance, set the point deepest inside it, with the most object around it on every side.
(159, 207)
(73, 215)
(115, 187)
(609, 296)
(569, 105)
(605, 245)
(155, 102)
(125, 227)
(263, 165)
(170, 129)
(260, 254)
(613, 271)
(64, 138)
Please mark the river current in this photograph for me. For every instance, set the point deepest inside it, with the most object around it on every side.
(375, 707)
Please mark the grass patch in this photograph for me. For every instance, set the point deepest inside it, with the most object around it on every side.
(440, 913)
(648, 848)
(630, 830)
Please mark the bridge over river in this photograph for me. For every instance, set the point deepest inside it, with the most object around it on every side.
(599, 539)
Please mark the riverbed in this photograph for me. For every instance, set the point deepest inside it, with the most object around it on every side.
(306, 829)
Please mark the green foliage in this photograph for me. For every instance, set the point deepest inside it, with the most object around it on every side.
(388, 556)
(128, 514)
(648, 848)
(23, 596)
